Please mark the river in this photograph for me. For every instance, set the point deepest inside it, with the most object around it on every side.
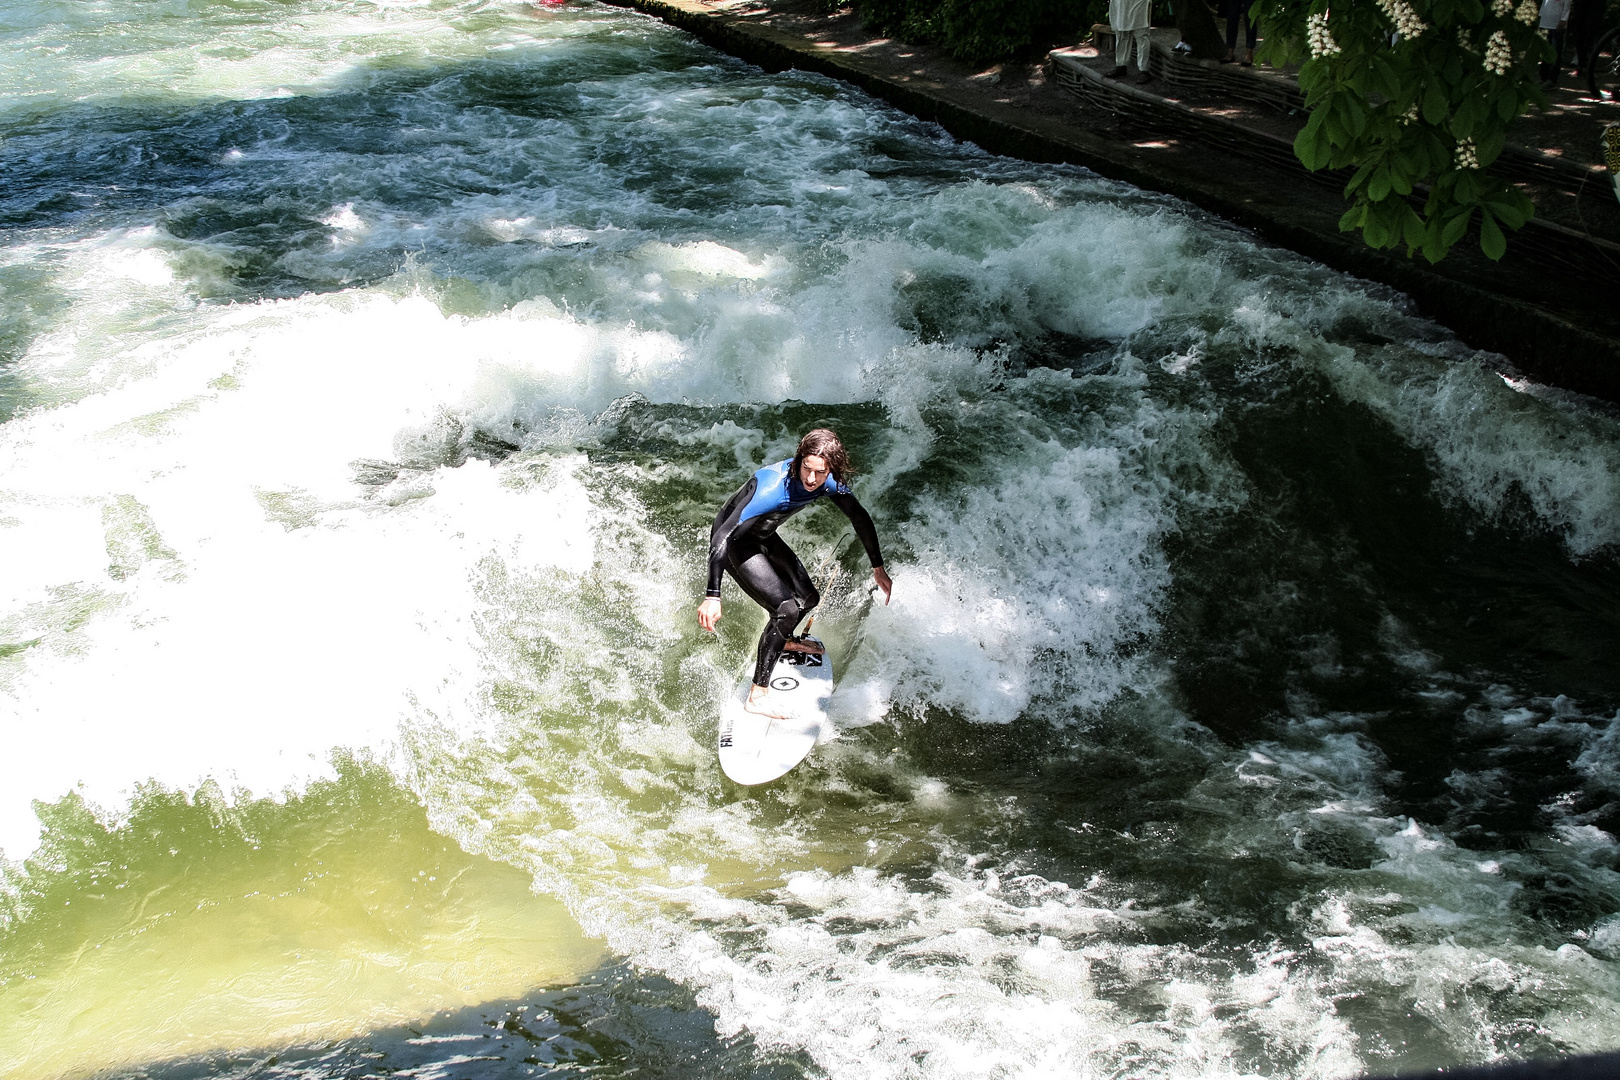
(369, 374)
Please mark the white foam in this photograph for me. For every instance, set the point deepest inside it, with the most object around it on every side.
(1491, 442)
(244, 54)
(1052, 557)
(249, 609)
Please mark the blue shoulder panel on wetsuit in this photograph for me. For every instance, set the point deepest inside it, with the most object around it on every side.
(777, 490)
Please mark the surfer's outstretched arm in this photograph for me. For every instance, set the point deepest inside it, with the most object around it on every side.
(725, 523)
(866, 532)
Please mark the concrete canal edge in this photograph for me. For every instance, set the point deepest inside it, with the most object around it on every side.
(1544, 345)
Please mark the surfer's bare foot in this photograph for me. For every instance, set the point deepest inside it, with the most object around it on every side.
(759, 701)
(801, 645)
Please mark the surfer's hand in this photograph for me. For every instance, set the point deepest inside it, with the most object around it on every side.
(709, 613)
(881, 576)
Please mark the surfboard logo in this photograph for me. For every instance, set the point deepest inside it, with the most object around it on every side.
(784, 682)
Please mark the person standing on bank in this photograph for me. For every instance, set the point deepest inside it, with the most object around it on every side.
(1233, 10)
(1584, 25)
(1131, 22)
(743, 541)
(1554, 24)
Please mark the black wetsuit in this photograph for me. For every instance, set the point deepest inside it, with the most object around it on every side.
(744, 541)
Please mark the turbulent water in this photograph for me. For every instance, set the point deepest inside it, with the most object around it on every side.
(370, 372)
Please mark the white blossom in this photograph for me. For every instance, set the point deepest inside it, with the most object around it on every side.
(1498, 54)
(1409, 117)
(1407, 23)
(1528, 12)
(1465, 40)
(1321, 41)
(1502, 8)
(1467, 157)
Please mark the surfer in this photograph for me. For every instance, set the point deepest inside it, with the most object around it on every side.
(744, 542)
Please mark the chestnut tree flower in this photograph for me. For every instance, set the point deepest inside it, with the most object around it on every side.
(1399, 96)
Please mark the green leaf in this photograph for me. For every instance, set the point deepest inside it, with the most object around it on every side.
(1435, 105)
(1510, 216)
(1508, 210)
(1462, 121)
(1491, 240)
(1434, 247)
(1413, 230)
(1357, 180)
(1348, 111)
(1439, 151)
(1387, 81)
(1454, 228)
(1522, 201)
(1334, 131)
(1379, 187)
(1312, 149)
(1355, 113)
(1507, 104)
(1488, 147)
(1375, 231)
(1471, 11)
(1353, 218)
(1400, 182)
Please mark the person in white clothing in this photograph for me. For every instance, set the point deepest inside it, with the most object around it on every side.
(1129, 18)
(1554, 21)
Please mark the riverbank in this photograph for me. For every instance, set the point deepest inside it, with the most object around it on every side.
(1543, 306)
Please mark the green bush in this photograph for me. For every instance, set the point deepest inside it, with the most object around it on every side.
(910, 20)
(987, 29)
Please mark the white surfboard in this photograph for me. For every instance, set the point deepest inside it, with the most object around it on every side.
(754, 748)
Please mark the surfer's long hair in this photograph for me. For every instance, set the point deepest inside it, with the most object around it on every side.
(826, 445)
